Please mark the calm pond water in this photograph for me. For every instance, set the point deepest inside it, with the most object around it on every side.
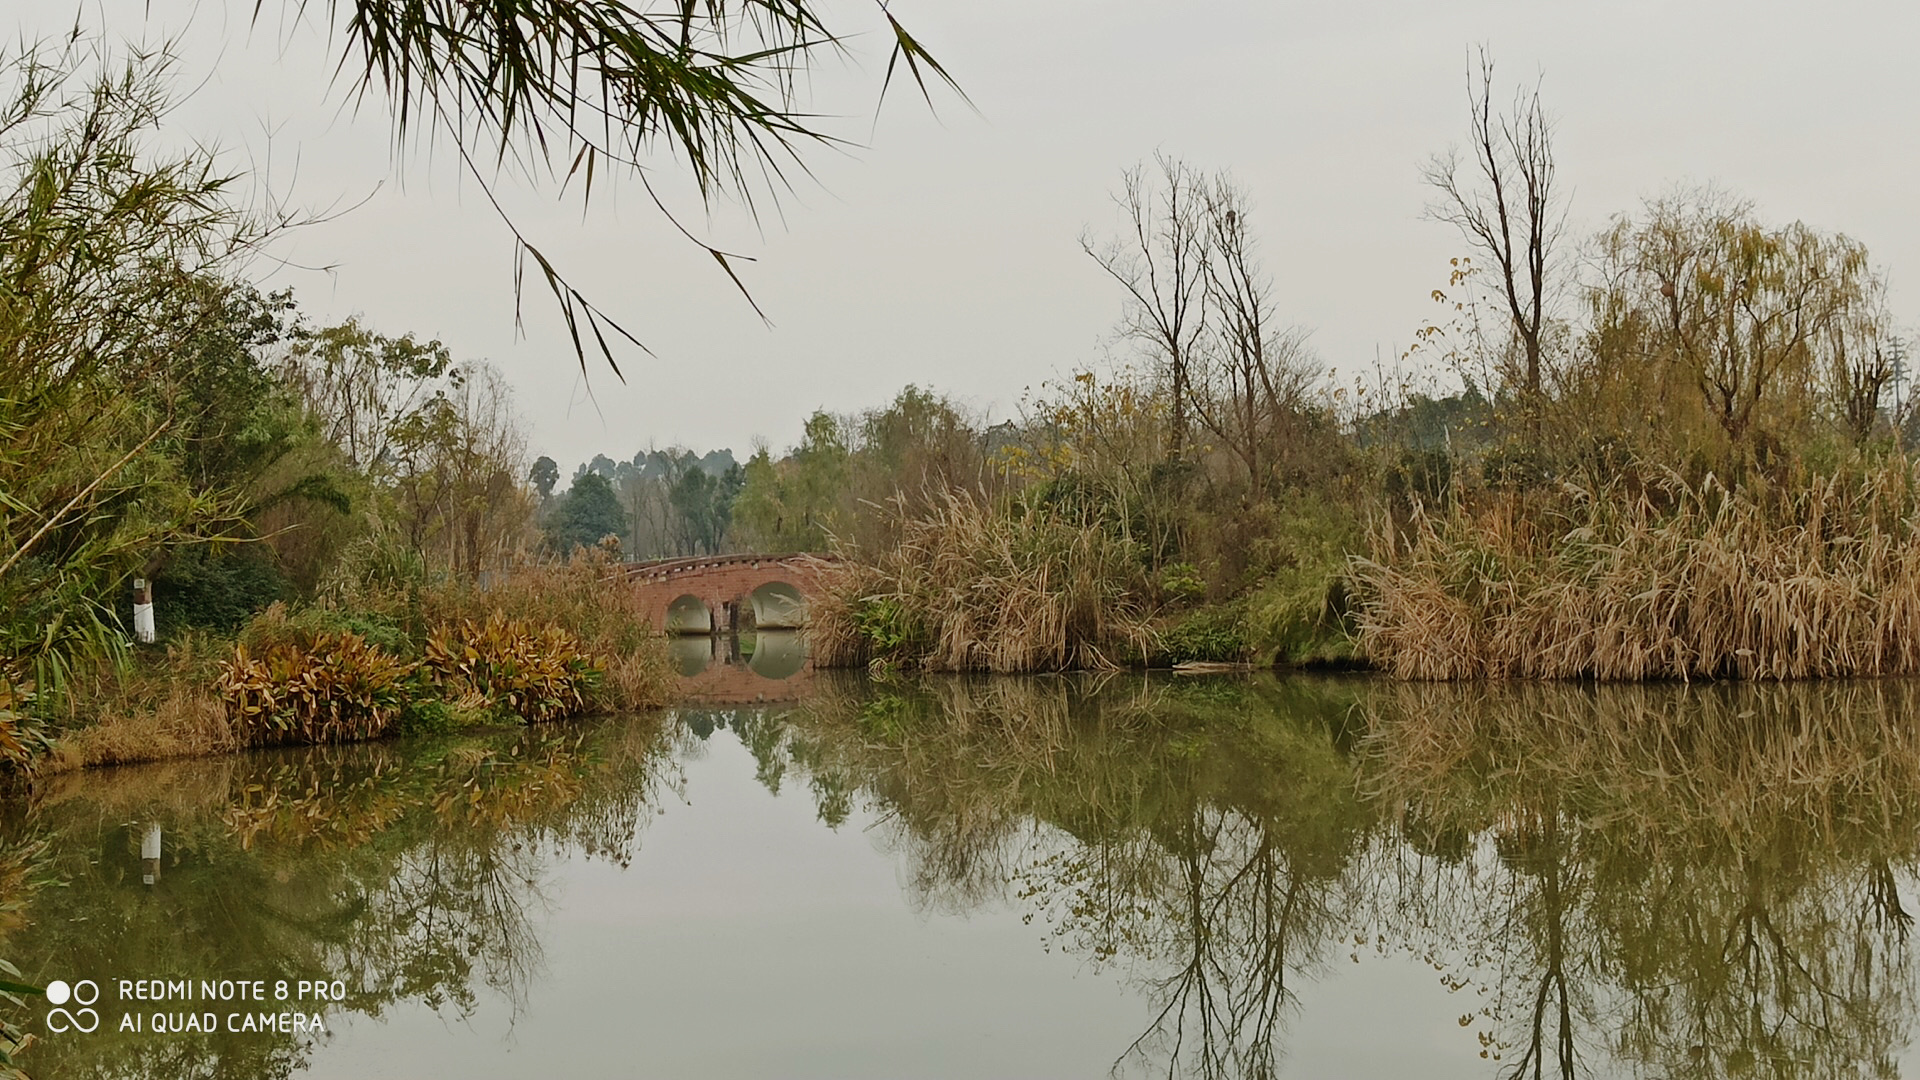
(1056, 877)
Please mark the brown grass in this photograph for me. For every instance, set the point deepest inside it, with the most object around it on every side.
(968, 586)
(163, 707)
(1675, 581)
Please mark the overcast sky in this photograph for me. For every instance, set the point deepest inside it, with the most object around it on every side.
(943, 250)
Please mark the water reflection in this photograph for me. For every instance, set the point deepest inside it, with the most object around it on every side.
(412, 873)
(1695, 882)
(1690, 881)
(1195, 837)
(768, 664)
(777, 654)
(769, 653)
(1673, 881)
(692, 654)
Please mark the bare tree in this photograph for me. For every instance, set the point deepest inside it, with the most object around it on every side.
(1161, 262)
(1507, 207)
(1253, 375)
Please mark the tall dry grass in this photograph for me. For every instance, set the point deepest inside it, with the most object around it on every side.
(165, 706)
(588, 597)
(1668, 581)
(968, 586)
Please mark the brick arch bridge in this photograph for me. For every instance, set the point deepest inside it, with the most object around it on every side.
(709, 593)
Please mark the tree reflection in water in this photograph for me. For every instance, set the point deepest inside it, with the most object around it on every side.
(413, 874)
(1194, 835)
(1671, 881)
(1713, 880)
(1675, 881)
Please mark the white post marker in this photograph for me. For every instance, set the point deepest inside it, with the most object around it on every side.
(150, 854)
(142, 611)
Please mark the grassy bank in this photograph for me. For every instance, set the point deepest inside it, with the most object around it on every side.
(1646, 575)
(1670, 580)
(543, 643)
(1017, 585)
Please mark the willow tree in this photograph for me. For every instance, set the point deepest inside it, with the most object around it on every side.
(1769, 324)
(587, 89)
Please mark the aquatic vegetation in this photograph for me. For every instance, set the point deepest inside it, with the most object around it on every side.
(338, 689)
(577, 597)
(550, 642)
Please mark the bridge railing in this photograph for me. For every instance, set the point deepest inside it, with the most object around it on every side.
(669, 567)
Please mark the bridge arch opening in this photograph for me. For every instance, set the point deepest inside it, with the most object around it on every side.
(778, 605)
(688, 614)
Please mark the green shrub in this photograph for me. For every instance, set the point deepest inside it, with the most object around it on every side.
(888, 627)
(425, 714)
(1210, 635)
(277, 626)
(1181, 582)
(1299, 612)
(428, 716)
(217, 589)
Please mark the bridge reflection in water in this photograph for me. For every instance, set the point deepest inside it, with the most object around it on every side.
(763, 665)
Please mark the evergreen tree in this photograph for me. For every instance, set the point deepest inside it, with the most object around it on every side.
(590, 511)
(545, 474)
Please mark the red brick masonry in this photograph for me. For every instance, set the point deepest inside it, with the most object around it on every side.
(721, 582)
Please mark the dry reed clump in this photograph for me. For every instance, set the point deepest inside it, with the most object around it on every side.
(181, 720)
(585, 597)
(966, 586)
(159, 707)
(1680, 582)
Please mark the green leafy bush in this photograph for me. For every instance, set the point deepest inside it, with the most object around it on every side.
(277, 626)
(1182, 582)
(1211, 635)
(210, 588)
(428, 715)
(887, 625)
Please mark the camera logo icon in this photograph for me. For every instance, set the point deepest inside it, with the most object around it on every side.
(61, 1020)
